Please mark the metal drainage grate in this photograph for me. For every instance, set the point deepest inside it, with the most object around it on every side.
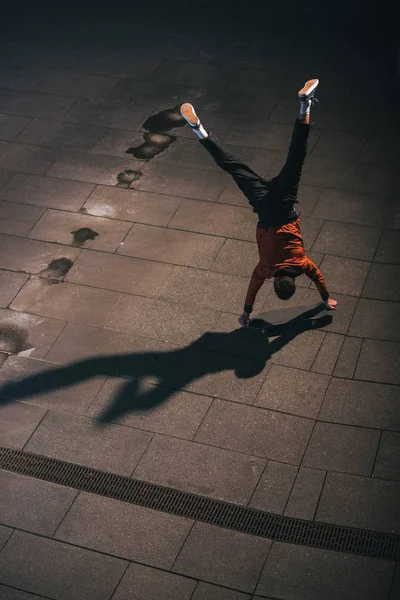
(207, 510)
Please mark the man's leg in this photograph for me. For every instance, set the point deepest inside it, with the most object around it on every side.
(251, 184)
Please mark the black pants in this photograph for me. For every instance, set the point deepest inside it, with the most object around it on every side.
(273, 200)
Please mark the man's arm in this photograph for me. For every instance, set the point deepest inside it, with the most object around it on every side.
(311, 270)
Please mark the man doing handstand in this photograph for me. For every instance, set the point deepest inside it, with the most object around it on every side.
(279, 241)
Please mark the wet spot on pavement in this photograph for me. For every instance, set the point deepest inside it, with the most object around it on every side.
(57, 269)
(13, 338)
(84, 234)
(127, 177)
(154, 143)
(165, 120)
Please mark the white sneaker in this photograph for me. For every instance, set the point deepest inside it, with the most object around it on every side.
(189, 114)
(307, 95)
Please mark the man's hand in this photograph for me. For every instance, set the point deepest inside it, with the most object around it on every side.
(331, 304)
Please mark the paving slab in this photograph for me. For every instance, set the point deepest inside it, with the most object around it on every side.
(18, 422)
(379, 361)
(115, 64)
(46, 191)
(327, 357)
(83, 441)
(223, 557)
(389, 248)
(66, 228)
(70, 572)
(296, 572)
(342, 448)
(301, 352)
(110, 112)
(8, 593)
(18, 219)
(338, 144)
(200, 468)
(352, 208)
(208, 591)
(334, 173)
(383, 283)
(132, 205)
(261, 134)
(120, 142)
(344, 275)
(34, 505)
(293, 391)
(379, 148)
(21, 332)
(76, 85)
(24, 158)
(138, 534)
(331, 116)
(236, 257)
(362, 403)
(383, 179)
(5, 533)
(10, 284)
(146, 583)
(56, 134)
(349, 241)
(305, 494)
(11, 126)
(376, 319)
(348, 357)
(90, 168)
(273, 489)
(172, 246)
(4, 176)
(31, 256)
(255, 431)
(178, 414)
(387, 460)
(83, 304)
(34, 104)
(362, 502)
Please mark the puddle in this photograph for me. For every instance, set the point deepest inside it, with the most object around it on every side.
(154, 143)
(127, 177)
(57, 269)
(13, 338)
(165, 120)
(82, 235)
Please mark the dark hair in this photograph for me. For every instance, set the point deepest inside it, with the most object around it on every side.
(284, 287)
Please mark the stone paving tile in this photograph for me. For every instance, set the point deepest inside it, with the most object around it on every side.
(49, 391)
(215, 291)
(274, 487)
(21, 332)
(18, 219)
(305, 494)
(187, 182)
(112, 112)
(56, 134)
(338, 174)
(389, 248)
(349, 241)
(293, 391)
(261, 134)
(255, 431)
(363, 404)
(71, 572)
(327, 357)
(34, 505)
(8, 593)
(139, 534)
(223, 557)
(11, 126)
(81, 440)
(45, 191)
(59, 226)
(300, 352)
(115, 64)
(76, 85)
(376, 319)
(4, 177)
(382, 179)
(213, 373)
(351, 208)
(177, 413)
(348, 357)
(383, 283)
(362, 502)
(10, 284)
(395, 584)
(201, 469)
(172, 246)
(379, 149)
(338, 144)
(236, 257)
(18, 422)
(336, 117)
(120, 273)
(145, 583)
(5, 533)
(261, 81)
(35, 160)
(379, 361)
(207, 591)
(387, 464)
(91, 168)
(31, 256)
(297, 572)
(78, 342)
(34, 104)
(310, 228)
(177, 72)
(342, 448)
(117, 142)
(344, 275)
(82, 304)
(215, 219)
(131, 205)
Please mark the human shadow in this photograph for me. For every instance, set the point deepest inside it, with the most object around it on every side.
(243, 351)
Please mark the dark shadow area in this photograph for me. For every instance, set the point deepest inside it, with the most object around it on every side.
(127, 177)
(156, 140)
(243, 351)
(286, 317)
(82, 235)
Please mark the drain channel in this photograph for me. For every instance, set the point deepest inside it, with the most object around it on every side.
(215, 512)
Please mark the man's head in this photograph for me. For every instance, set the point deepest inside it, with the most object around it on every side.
(284, 286)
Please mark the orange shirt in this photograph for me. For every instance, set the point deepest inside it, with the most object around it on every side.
(282, 247)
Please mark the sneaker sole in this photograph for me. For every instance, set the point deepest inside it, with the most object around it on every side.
(308, 88)
(187, 112)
